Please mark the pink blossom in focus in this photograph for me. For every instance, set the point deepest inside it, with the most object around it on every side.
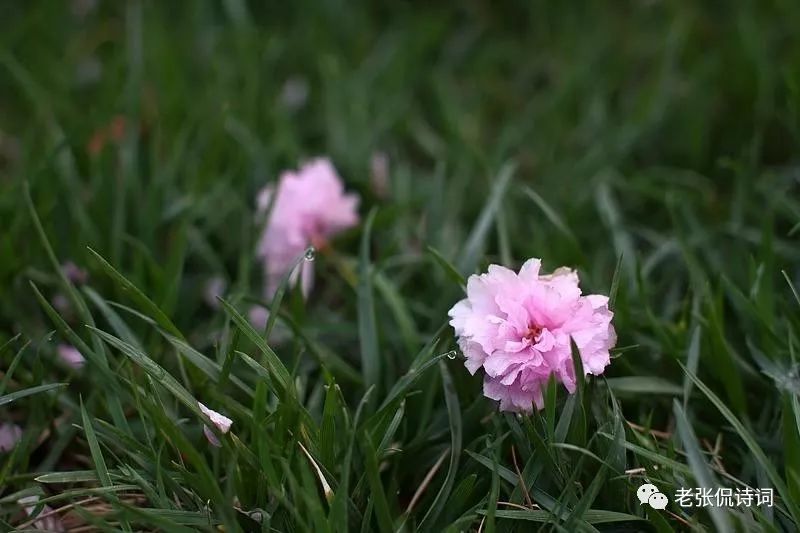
(70, 355)
(311, 206)
(74, 273)
(51, 522)
(10, 435)
(517, 327)
(222, 422)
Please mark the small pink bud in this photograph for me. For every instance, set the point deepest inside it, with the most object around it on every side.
(223, 423)
(71, 356)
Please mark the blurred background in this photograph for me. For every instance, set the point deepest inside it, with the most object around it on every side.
(651, 144)
(658, 135)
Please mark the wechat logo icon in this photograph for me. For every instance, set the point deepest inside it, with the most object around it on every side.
(649, 494)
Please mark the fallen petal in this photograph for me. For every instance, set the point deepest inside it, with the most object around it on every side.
(70, 355)
(10, 434)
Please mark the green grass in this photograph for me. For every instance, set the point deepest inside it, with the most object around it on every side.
(651, 145)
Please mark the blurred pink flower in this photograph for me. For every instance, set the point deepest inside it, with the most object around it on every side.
(52, 522)
(74, 273)
(258, 317)
(215, 287)
(310, 207)
(517, 327)
(70, 355)
(61, 303)
(10, 434)
(379, 174)
(222, 422)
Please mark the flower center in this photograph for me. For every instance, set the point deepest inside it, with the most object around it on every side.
(533, 333)
(318, 241)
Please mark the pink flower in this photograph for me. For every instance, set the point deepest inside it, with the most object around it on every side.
(51, 522)
(215, 287)
(74, 273)
(310, 208)
(517, 327)
(61, 303)
(10, 435)
(222, 422)
(258, 317)
(70, 355)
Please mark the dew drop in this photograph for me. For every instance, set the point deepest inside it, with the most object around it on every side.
(311, 254)
(451, 354)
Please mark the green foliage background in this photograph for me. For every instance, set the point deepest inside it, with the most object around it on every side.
(651, 145)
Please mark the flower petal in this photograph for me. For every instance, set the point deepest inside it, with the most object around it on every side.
(70, 355)
(10, 435)
(222, 422)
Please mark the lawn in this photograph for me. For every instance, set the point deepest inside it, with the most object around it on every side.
(651, 146)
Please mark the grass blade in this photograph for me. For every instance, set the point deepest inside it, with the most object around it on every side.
(14, 363)
(447, 267)
(551, 214)
(456, 431)
(692, 360)
(471, 252)
(591, 516)
(272, 362)
(367, 325)
(702, 473)
(24, 393)
(94, 448)
(751, 444)
(275, 305)
(381, 504)
(145, 304)
(66, 285)
(156, 371)
(644, 385)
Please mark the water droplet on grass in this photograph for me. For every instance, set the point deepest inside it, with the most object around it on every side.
(311, 254)
(451, 354)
